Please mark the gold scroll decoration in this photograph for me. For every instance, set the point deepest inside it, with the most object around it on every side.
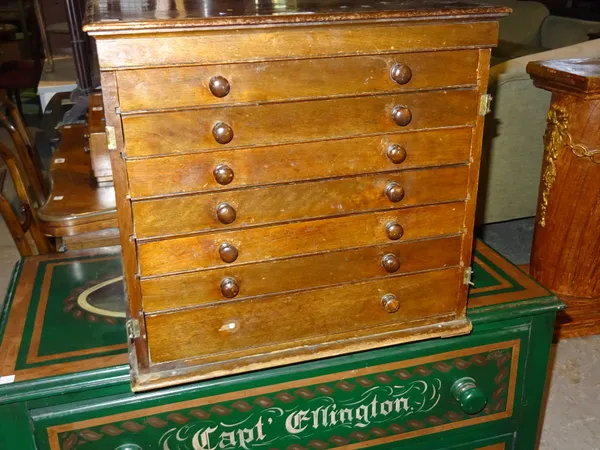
(558, 136)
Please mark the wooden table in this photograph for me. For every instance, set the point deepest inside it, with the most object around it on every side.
(566, 247)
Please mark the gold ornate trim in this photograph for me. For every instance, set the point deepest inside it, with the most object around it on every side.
(557, 136)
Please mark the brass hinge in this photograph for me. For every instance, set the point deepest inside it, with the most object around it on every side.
(133, 329)
(111, 138)
(467, 276)
(485, 104)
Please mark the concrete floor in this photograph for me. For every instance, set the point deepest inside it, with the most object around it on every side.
(572, 416)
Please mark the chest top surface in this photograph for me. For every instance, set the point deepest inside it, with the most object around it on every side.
(111, 15)
(581, 75)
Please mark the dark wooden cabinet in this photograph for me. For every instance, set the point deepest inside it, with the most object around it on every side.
(292, 186)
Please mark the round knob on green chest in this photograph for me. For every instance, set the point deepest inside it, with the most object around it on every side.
(470, 398)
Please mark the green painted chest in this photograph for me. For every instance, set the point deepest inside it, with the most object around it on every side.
(65, 377)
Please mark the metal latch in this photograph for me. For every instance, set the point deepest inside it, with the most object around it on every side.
(133, 329)
(467, 277)
(485, 104)
(111, 138)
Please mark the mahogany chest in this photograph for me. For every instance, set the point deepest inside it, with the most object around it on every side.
(294, 180)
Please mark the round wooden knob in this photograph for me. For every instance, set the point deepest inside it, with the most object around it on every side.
(222, 133)
(394, 231)
(219, 86)
(394, 192)
(390, 263)
(470, 397)
(225, 213)
(396, 153)
(390, 303)
(401, 115)
(400, 73)
(228, 252)
(223, 174)
(230, 287)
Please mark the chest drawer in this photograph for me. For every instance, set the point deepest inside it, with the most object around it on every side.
(281, 241)
(262, 323)
(184, 87)
(196, 172)
(244, 126)
(307, 272)
(289, 202)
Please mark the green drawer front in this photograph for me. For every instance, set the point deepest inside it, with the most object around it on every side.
(367, 406)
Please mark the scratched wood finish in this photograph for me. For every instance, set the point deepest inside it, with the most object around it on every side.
(184, 87)
(118, 15)
(221, 46)
(288, 202)
(76, 204)
(279, 241)
(199, 288)
(295, 162)
(188, 131)
(260, 322)
(307, 109)
(565, 255)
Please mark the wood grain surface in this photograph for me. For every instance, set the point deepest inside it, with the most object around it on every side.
(198, 288)
(279, 241)
(565, 255)
(118, 15)
(239, 325)
(190, 131)
(301, 201)
(256, 44)
(295, 162)
(184, 87)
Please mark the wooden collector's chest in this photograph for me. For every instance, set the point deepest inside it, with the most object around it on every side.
(294, 180)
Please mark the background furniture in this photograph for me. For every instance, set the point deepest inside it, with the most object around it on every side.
(512, 146)
(75, 212)
(566, 246)
(19, 205)
(78, 210)
(63, 360)
(323, 188)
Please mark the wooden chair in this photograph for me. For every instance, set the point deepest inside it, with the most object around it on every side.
(75, 213)
(22, 165)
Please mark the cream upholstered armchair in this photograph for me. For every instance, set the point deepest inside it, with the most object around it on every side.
(513, 146)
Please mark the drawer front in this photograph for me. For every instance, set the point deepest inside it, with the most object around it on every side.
(399, 398)
(197, 130)
(290, 202)
(257, 323)
(223, 46)
(311, 271)
(195, 172)
(280, 241)
(182, 87)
